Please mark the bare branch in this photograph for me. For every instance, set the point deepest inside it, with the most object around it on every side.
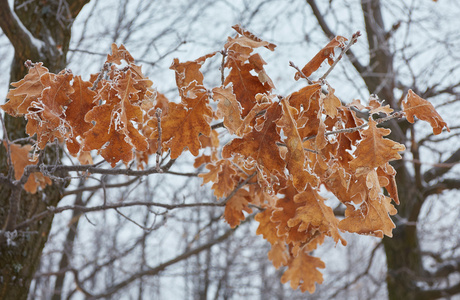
(326, 29)
(353, 129)
(159, 150)
(17, 33)
(291, 64)
(438, 171)
(438, 188)
(156, 270)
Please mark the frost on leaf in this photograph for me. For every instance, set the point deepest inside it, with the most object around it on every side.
(424, 110)
(240, 62)
(114, 133)
(295, 156)
(374, 150)
(371, 218)
(185, 121)
(222, 174)
(20, 158)
(228, 108)
(47, 113)
(303, 272)
(26, 91)
(315, 215)
(260, 144)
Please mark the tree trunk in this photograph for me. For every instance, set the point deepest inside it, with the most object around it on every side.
(20, 250)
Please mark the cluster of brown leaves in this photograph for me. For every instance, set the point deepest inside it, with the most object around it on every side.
(282, 147)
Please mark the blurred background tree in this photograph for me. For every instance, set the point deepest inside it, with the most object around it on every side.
(190, 253)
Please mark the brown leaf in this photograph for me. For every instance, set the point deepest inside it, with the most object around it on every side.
(371, 218)
(260, 145)
(331, 103)
(279, 254)
(46, 114)
(114, 133)
(257, 42)
(295, 157)
(285, 210)
(303, 271)
(119, 53)
(81, 102)
(235, 206)
(228, 108)
(389, 172)
(267, 228)
(26, 91)
(374, 150)
(21, 159)
(315, 215)
(222, 174)
(326, 53)
(245, 85)
(424, 110)
(258, 63)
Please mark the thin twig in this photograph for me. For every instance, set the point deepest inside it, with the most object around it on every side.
(222, 75)
(291, 64)
(104, 69)
(395, 115)
(353, 40)
(243, 183)
(159, 149)
(108, 206)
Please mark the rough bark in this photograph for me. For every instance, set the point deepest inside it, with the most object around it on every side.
(46, 39)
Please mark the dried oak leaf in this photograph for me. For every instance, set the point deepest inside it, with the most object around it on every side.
(186, 121)
(114, 133)
(374, 150)
(119, 53)
(371, 218)
(326, 53)
(82, 101)
(245, 85)
(389, 173)
(21, 159)
(285, 210)
(26, 91)
(228, 108)
(424, 110)
(331, 103)
(303, 271)
(267, 228)
(188, 72)
(301, 99)
(234, 208)
(223, 175)
(279, 254)
(258, 63)
(257, 42)
(315, 215)
(46, 114)
(260, 143)
(183, 125)
(295, 157)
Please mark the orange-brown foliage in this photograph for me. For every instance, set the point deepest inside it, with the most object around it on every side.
(285, 147)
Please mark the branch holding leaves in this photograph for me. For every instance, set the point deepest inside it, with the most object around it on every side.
(283, 148)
